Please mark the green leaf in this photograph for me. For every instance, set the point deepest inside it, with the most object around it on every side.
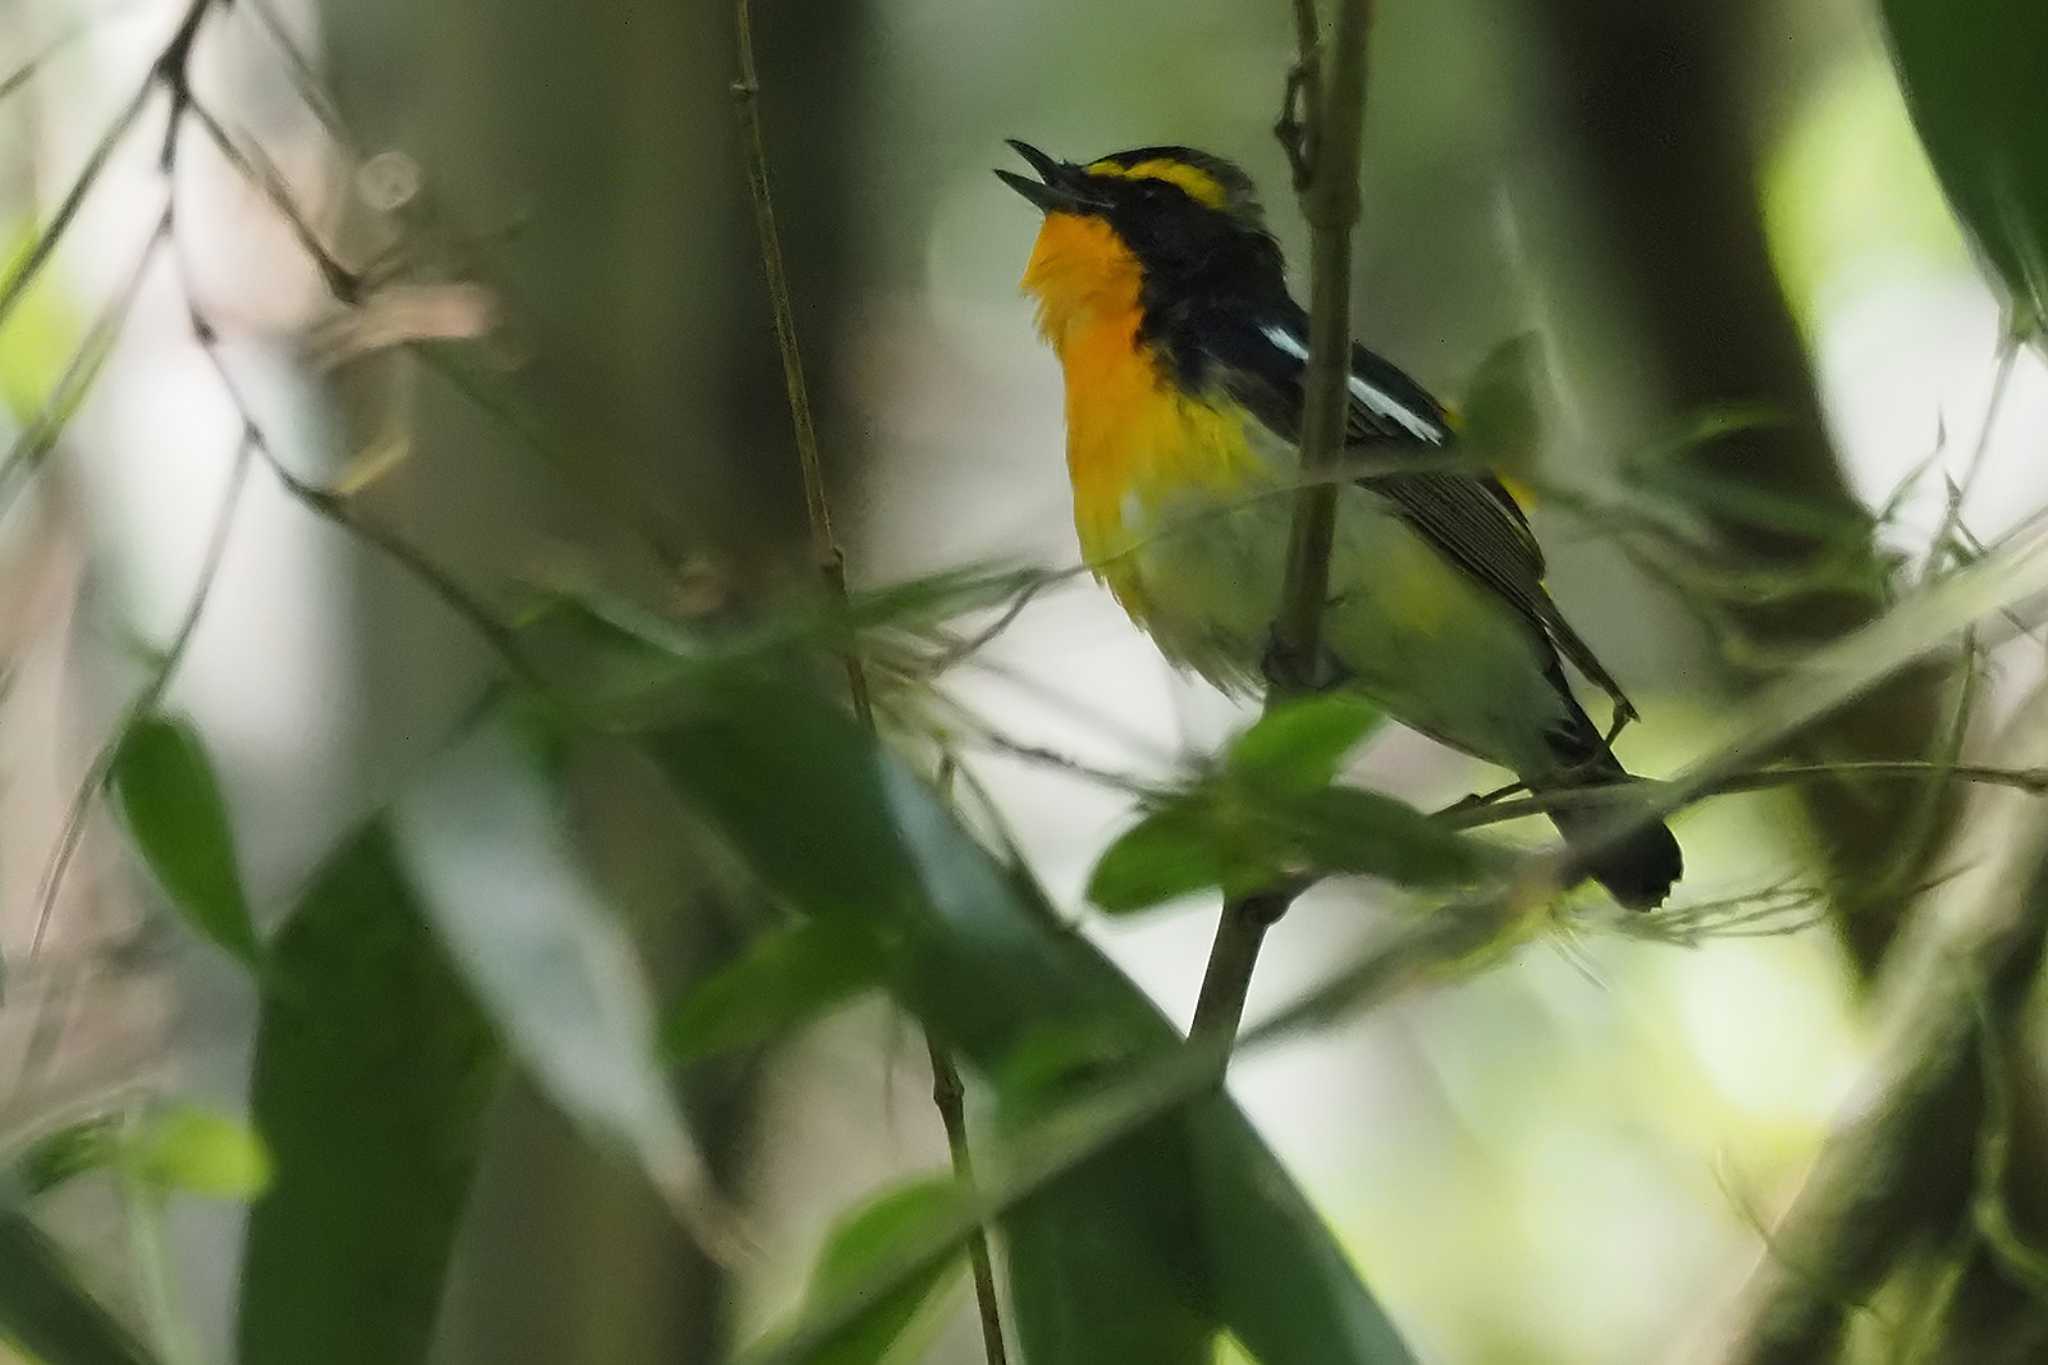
(782, 980)
(373, 1073)
(1367, 833)
(1301, 745)
(1973, 83)
(172, 804)
(1168, 854)
(867, 1238)
(197, 1151)
(180, 1147)
(42, 332)
(1226, 837)
(1145, 1252)
(544, 955)
(45, 1311)
(1503, 417)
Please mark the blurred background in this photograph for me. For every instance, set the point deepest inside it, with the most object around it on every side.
(560, 370)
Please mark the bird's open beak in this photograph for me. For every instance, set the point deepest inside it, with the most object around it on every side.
(1060, 187)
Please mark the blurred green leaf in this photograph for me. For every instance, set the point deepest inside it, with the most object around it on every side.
(198, 1151)
(41, 333)
(372, 1075)
(1169, 853)
(45, 1311)
(1089, 1289)
(864, 1239)
(1503, 415)
(842, 831)
(1302, 745)
(546, 958)
(782, 980)
(1367, 833)
(1973, 81)
(172, 803)
(1239, 838)
(180, 1147)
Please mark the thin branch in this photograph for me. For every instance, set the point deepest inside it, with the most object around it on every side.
(2009, 343)
(168, 70)
(23, 273)
(304, 79)
(831, 560)
(32, 66)
(39, 436)
(986, 735)
(1327, 150)
(257, 169)
(1463, 815)
(948, 1095)
(333, 507)
(1302, 100)
(949, 1098)
(831, 563)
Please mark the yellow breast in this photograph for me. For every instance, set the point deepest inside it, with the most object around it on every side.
(1136, 444)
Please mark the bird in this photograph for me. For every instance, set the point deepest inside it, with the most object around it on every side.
(1164, 296)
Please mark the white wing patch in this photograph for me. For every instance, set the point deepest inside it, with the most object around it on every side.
(1377, 401)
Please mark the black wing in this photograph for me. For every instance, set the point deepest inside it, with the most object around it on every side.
(1467, 514)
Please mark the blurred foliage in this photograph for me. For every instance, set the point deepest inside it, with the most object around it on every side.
(867, 1235)
(463, 931)
(1972, 77)
(44, 1310)
(41, 332)
(172, 803)
(372, 1074)
(1269, 813)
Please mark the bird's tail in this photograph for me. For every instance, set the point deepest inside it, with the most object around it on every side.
(1638, 870)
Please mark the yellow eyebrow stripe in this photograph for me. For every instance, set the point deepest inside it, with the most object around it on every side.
(1200, 186)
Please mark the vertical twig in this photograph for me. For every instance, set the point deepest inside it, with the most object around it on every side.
(1323, 145)
(831, 561)
(948, 1094)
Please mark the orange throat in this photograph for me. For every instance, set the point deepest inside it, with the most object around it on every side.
(1134, 440)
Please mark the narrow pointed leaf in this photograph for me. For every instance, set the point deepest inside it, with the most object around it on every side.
(1973, 82)
(865, 1238)
(1168, 854)
(544, 956)
(171, 801)
(373, 1073)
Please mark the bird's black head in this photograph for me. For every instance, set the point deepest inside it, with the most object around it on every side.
(1191, 220)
